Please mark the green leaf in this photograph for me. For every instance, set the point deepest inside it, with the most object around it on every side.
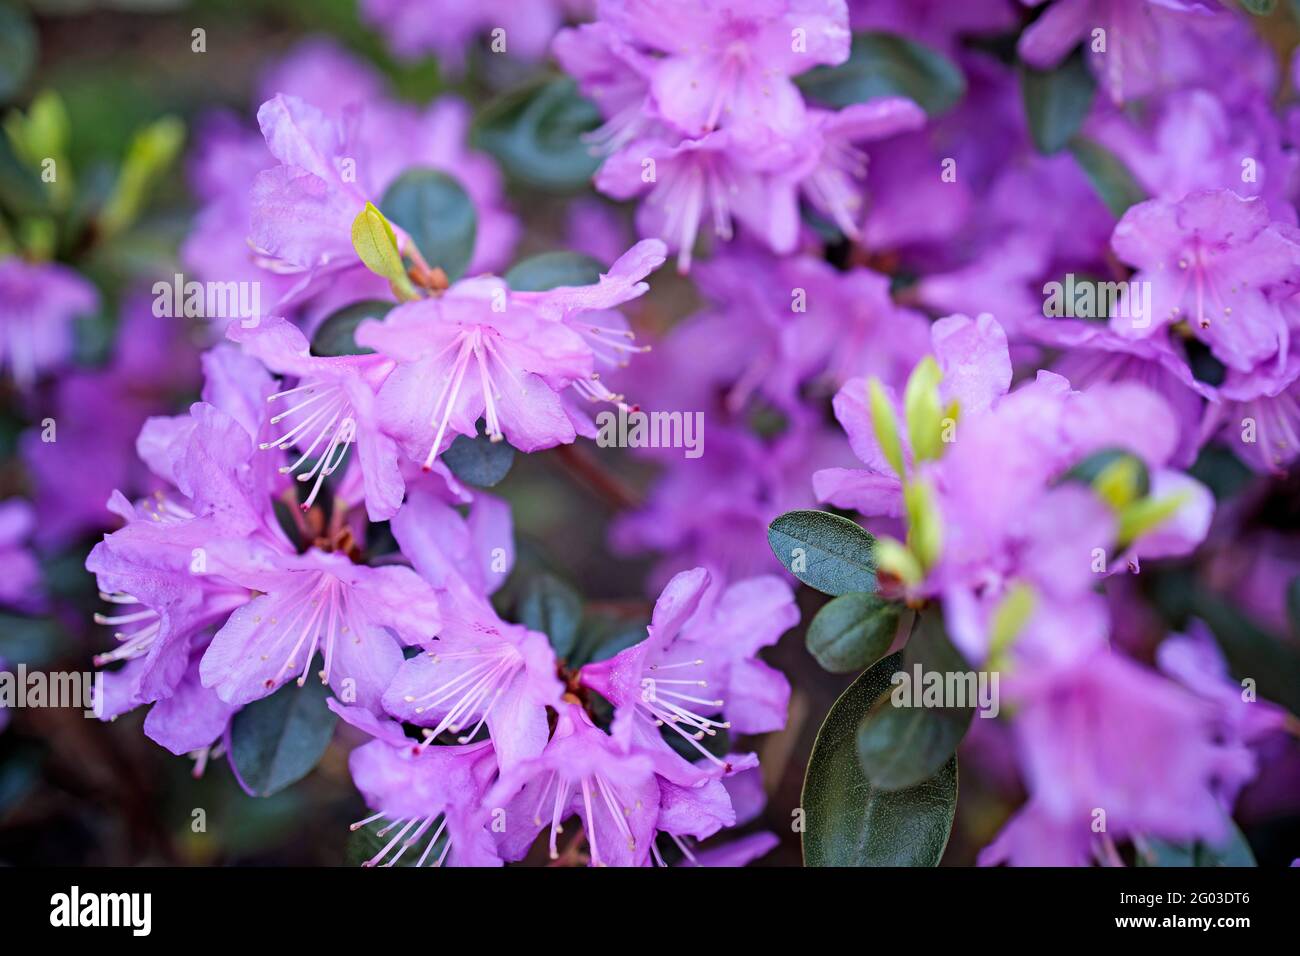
(1108, 175)
(852, 632)
(536, 133)
(337, 334)
(825, 551)
(438, 215)
(552, 607)
(1260, 8)
(376, 244)
(152, 150)
(884, 64)
(17, 49)
(551, 270)
(1233, 851)
(848, 820)
(276, 741)
(1057, 101)
(479, 460)
(42, 134)
(901, 746)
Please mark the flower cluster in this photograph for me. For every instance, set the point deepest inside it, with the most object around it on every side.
(704, 118)
(991, 343)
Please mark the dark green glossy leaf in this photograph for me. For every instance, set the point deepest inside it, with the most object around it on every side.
(337, 334)
(553, 269)
(438, 215)
(901, 745)
(851, 822)
(536, 133)
(1109, 176)
(1233, 851)
(852, 632)
(276, 741)
(1261, 8)
(552, 607)
(884, 64)
(479, 461)
(1057, 101)
(17, 49)
(825, 551)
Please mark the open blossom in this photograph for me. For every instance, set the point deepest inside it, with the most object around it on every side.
(165, 601)
(356, 617)
(729, 64)
(703, 116)
(1129, 62)
(38, 304)
(429, 798)
(1215, 261)
(329, 407)
(582, 772)
(699, 661)
(480, 351)
(481, 671)
(1091, 735)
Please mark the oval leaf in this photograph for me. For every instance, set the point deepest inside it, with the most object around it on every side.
(552, 607)
(479, 461)
(851, 822)
(276, 741)
(825, 551)
(536, 134)
(852, 632)
(900, 747)
(884, 64)
(337, 334)
(551, 270)
(904, 739)
(437, 214)
(1057, 101)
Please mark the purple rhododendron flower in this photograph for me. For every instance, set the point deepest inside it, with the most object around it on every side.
(20, 579)
(975, 379)
(39, 302)
(480, 350)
